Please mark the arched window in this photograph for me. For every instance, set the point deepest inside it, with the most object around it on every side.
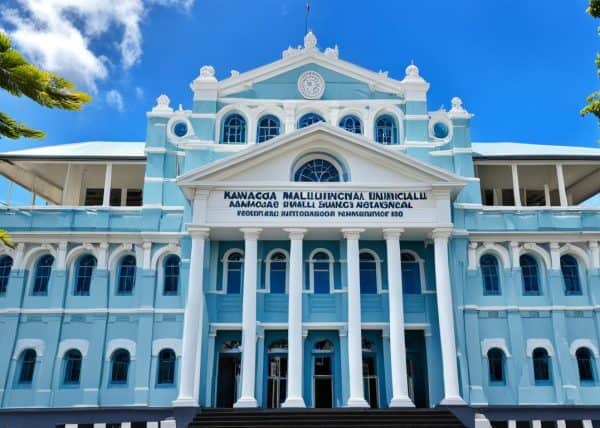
(585, 364)
(277, 271)
(530, 274)
(411, 274)
(322, 272)
(43, 269)
(126, 278)
(368, 273)
(541, 365)
(6, 263)
(233, 272)
(268, 127)
(317, 170)
(308, 119)
(496, 365)
(166, 367)
(120, 366)
(171, 279)
(234, 129)
(490, 275)
(385, 130)
(324, 346)
(351, 124)
(27, 366)
(72, 364)
(570, 273)
(83, 277)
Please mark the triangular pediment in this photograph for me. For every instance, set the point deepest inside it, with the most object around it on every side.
(365, 163)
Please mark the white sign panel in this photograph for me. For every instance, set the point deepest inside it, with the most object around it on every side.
(324, 207)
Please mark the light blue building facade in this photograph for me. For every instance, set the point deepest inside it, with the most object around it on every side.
(308, 234)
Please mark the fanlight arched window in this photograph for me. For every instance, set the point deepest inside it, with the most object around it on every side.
(126, 277)
(72, 370)
(411, 274)
(351, 124)
(234, 129)
(166, 367)
(321, 267)
(570, 273)
(83, 277)
(6, 263)
(385, 130)
(308, 119)
(317, 170)
(119, 366)
(279, 346)
(496, 365)
(233, 272)
(368, 273)
(585, 365)
(171, 275)
(268, 127)
(43, 269)
(490, 275)
(530, 275)
(277, 271)
(27, 366)
(324, 346)
(541, 365)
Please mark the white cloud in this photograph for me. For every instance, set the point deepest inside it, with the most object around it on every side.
(58, 34)
(139, 92)
(115, 99)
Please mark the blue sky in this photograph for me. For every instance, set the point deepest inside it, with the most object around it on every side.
(522, 67)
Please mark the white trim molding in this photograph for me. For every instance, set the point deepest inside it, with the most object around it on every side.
(82, 345)
(38, 345)
(170, 343)
(495, 249)
(114, 344)
(583, 343)
(497, 342)
(533, 344)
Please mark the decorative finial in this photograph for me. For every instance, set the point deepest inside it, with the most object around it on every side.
(412, 70)
(162, 104)
(207, 71)
(310, 41)
(235, 73)
(457, 110)
(180, 107)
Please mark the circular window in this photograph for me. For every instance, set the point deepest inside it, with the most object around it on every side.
(440, 130)
(180, 129)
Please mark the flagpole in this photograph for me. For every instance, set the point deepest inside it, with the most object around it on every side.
(306, 18)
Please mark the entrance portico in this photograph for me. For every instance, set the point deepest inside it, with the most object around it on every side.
(375, 200)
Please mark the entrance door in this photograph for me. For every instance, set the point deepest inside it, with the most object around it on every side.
(416, 368)
(277, 380)
(323, 381)
(228, 379)
(370, 382)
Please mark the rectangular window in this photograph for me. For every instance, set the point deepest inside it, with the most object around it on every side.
(535, 198)
(93, 197)
(134, 198)
(115, 197)
(508, 198)
(488, 197)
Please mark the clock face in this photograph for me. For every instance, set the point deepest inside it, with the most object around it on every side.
(311, 85)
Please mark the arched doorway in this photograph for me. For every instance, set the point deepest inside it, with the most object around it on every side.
(277, 374)
(228, 374)
(323, 374)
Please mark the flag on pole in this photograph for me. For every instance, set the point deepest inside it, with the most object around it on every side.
(307, 7)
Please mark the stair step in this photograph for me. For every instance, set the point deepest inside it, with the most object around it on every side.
(331, 418)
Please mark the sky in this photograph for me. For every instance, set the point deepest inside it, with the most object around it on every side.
(523, 67)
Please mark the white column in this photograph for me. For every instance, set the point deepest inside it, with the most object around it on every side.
(357, 397)
(107, 185)
(562, 191)
(295, 340)
(192, 322)
(446, 318)
(247, 398)
(400, 396)
(515, 180)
